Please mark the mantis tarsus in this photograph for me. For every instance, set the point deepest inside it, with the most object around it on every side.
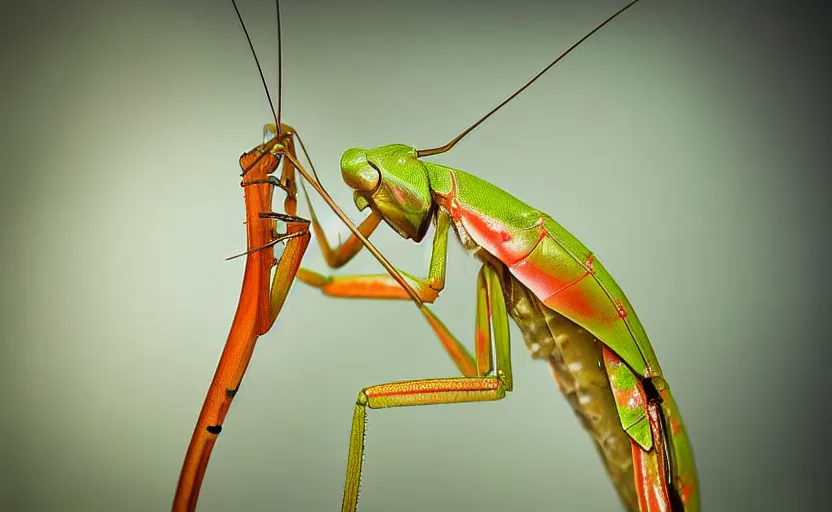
(570, 310)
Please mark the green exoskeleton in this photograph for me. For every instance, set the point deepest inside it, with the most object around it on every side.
(570, 310)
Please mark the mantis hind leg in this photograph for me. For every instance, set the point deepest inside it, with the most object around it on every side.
(488, 385)
(664, 477)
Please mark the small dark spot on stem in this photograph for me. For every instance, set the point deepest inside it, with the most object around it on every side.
(214, 429)
(231, 393)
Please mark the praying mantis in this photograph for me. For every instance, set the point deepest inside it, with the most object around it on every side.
(571, 312)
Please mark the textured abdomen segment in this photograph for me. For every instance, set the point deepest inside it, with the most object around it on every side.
(575, 358)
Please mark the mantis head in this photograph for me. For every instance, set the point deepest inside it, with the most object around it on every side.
(392, 181)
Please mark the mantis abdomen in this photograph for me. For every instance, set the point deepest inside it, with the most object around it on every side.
(574, 315)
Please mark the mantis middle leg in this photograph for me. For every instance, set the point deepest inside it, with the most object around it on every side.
(383, 286)
(488, 385)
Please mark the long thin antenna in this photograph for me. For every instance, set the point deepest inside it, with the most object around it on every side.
(455, 140)
(257, 61)
(279, 69)
(308, 159)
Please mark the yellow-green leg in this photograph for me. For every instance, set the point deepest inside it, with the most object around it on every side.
(491, 319)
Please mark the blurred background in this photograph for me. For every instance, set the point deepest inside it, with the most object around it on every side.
(686, 144)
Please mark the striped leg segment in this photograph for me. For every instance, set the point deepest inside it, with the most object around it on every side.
(491, 319)
(649, 468)
(402, 394)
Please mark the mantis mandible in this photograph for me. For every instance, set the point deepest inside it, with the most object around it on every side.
(570, 310)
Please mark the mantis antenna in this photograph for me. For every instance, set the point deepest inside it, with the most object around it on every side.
(279, 70)
(455, 140)
(257, 61)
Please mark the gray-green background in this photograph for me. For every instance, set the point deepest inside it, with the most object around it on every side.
(684, 144)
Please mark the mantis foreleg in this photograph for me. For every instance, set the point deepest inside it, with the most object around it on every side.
(383, 286)
(379, 286)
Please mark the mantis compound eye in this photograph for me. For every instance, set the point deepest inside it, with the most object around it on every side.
(358, 173)
(366, 180)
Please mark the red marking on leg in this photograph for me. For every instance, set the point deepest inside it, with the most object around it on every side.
(649, 471)
(652, 495)
(382, 287)
(457, 352)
